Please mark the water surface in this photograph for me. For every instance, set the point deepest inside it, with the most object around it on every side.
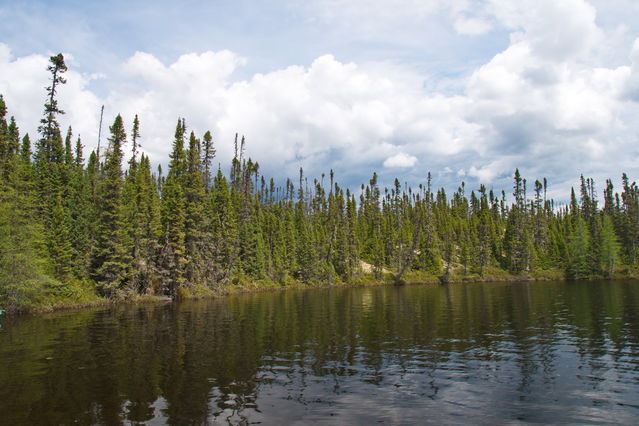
(489, 353)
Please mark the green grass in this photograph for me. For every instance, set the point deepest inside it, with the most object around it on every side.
(44, 294)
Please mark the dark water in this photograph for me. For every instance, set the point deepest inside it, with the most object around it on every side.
(478, 353)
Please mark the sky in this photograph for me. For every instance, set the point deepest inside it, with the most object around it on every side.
(468, 90)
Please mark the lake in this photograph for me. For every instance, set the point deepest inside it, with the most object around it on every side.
(491, 353)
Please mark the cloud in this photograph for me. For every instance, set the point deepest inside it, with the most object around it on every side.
(631, 89)
(368, 17)
(471, 26)
(23, 81)
(365, 17)
(549, 102)
(557, 30)
(401, 161)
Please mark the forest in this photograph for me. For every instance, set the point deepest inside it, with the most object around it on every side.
(75, 231)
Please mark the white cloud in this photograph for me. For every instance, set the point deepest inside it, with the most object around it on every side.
(489, 172)
(471, 26)
(401, 161)
(549, 102)
(23, 81)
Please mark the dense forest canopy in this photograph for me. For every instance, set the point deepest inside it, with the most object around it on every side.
(111, 225)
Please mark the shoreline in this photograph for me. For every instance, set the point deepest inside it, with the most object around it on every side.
(364, 280)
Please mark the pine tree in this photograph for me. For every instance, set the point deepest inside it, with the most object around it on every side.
(306, 254)
(25, 265)
(578, 255)
(629, 219)
(485, 232)
(49, 122)
(111, 264)
(173, 207)
(68, 149)
(59, 242)
(24, 259)
(517, 241)
(208, 153)
(137, 233)
(50, 153)
(81, 208)
(50, 150)
(223, 248)
(371, 226)
(609, 247)
(6, 162)
(196, 218)
(25, 151)
(143, 215)
(135, 136)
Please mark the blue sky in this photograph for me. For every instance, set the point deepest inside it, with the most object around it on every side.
(271, 35)
(466, 89)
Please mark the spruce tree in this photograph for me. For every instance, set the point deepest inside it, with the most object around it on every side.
(25, 150)
(609, 247)
(196, 218)
(111, 266)
(173, 258)
(223, 246)
(50, 153)
(208, 153)
(81, 208)
(59, 242)
(517, 241)
(139, 233)
(578, 266)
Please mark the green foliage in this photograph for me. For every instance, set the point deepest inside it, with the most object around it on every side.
(610, 247)
(69, 230)
(59, 242)
(23, 256)
(173, 210)
(111, 265)
(579, 251)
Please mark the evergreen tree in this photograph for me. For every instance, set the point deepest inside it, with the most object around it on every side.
(609, 247)
(629, 219)
(578, 251)
(111, 264)
(143, 215)
(59, 242)
(50, 153)
(25, 151)
(517, 243)
(135, 232)
(208, 153)
(173, 210)
(223, 247)
(49, 124)
(81, 213)
(196, 218)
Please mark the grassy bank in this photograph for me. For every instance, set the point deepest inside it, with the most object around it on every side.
(490, 274)
(81, 294)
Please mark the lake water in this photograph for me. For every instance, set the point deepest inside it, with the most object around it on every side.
(489, 353)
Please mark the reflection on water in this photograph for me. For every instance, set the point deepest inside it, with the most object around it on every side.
(489, 353)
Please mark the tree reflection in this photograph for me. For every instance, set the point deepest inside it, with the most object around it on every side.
(234, 359)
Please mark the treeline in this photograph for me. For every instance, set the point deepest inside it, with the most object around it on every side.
(114, 226)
